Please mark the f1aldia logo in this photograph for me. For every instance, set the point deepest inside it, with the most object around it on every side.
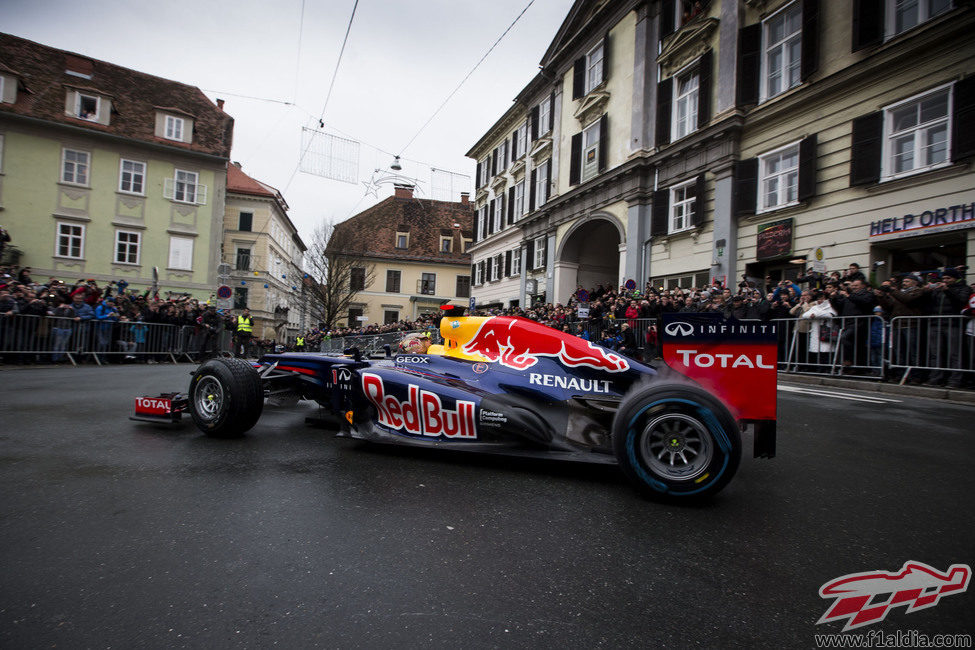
(865, 598)
(679, 328)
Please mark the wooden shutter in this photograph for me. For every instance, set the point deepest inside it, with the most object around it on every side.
(698, 217)
(665, 99)
(473, 273)
(606, 53)
(514, 145)
(963, 120)
(745, 174)
(477, 179)
(534, 123)
(551, 112)
(494, 163)
(603, 141)
(749, 63)
(507, 264)
(579, 78)
(530, 257)
(511, 205)
(491, 218)
(667, 18)
(575, 163)
(807, 168)
(866, 148)
(661, 213)
(810, 39)
(868, 23)
(704, 91)
(531, 191)
(548, 180)
(477, 219)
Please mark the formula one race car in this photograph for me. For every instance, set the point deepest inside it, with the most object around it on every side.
(510, 385)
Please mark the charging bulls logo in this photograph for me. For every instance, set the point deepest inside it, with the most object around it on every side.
(866, 598)
(518, 342)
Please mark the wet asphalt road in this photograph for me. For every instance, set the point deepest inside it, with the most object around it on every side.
(120, 534)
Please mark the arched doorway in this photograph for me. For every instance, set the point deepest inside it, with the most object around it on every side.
(589, 256)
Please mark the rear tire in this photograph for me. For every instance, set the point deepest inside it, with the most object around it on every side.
(674, 441)
(226, 397)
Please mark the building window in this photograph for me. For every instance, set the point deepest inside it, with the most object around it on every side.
(87, 107)
(916, 134)
(590, 151)
(243, 259)
(74, 169)
(783, 51)
(355, 317)
(390, 316)
(245, 221)
(402, 240)
(132, 177)
(519, 200)
(544, 117)
(185, 188)
(502, 155)
(541, 182)
(682, 200)
(392, 281)
(174, 128)
(494, 269)
(516, 261)
(357, 278)
(685, 103)
(126, 247)
(594, 67)
(463, 286)
(71, 241)
(906, 14)
(479, 273)
(485, 167)
(778, 180)
(446, 244)
(522, 140)
(467, 244)
(483, 223)
(181, 253)
(428, 284)
(240, 297)
(539, 260)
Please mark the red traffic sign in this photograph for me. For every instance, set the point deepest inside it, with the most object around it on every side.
(224, 292)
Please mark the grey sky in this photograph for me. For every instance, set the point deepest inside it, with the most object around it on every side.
(401, 61)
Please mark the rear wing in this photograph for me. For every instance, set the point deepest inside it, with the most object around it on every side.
(736, 361)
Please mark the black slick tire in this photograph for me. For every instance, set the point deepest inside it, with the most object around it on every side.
(226, 397)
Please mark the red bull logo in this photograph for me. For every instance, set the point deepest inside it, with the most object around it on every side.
(866, 598)
(422, 414)
(518, 343)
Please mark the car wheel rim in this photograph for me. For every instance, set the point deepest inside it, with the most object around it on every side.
(676, 446)
(209, 398)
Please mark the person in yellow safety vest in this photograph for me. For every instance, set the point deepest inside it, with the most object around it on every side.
(245, 328)
(300, 343)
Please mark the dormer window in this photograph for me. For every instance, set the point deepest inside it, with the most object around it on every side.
(446, 244)
(87, 107)
(402, 240)
(174, 128)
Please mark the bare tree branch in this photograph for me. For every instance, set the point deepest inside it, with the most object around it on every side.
(334, 257)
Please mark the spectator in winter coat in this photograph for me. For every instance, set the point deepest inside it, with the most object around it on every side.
(948, 298)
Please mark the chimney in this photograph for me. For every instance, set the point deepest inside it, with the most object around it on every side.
(465, 198)
(403, 191)
(220, 103)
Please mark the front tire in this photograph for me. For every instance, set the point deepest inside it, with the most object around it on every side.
(226, 397)
(674, 441)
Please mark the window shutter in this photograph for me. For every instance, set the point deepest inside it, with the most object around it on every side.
(579, 78)
(480, 269)
(705, 74)
(745, 173)
(868, 23)
(575, 163)
(477, 179)
(603, 141)
(548, 180)
(511, 205)
(514, 146)
(963, 120)
(477, 219)
(807, 168)
(660, 214)
(698, 217)
(667, 18)
(866, 148)
(534, 123)
(531, 191)
(499, 265)
(749, 63)
(665, 97)
(606, 53)
(494, 163)
(490, 228)
(507, 264)
(551, 112)
(530, 257)
(473, 273)
(810, 39)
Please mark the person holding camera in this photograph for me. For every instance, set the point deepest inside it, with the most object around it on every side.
(949, 296)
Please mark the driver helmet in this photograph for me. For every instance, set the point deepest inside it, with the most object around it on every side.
(415, 343)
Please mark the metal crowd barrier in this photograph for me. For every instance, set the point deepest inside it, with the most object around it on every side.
(936, 348)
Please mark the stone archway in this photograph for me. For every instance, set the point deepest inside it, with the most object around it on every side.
(589, 256)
